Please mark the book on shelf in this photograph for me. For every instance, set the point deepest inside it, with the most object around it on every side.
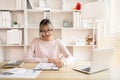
(47, 15)
(76, 19)
(8, 19)
(5, 19)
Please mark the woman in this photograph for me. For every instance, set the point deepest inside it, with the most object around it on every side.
(48, 49)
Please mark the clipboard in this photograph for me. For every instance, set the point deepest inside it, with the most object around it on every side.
(47, 67)
(14, 64)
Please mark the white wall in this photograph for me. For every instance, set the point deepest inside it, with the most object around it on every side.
(115, 31)
(115, 12)
(94, 10)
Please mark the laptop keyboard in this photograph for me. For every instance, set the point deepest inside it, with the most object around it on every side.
(86, 69)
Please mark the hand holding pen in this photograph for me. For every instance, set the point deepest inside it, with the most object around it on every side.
(57, 62)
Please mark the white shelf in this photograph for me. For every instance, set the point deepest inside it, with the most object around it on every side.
(61, 11)
(60, 28)
(34, 11)
(12, 10)
(53, 10)
(32, 28)
(80, 45)
(78, 28)
(10, 45)
(11, 28)
(46, 9)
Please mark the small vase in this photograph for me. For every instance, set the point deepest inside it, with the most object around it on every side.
(66, 24)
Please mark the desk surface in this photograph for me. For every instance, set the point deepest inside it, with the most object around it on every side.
(67, 73)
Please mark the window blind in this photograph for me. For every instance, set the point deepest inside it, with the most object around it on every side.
(115, 26)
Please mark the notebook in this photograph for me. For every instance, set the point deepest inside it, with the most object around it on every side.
(17, 63)
(101, 59)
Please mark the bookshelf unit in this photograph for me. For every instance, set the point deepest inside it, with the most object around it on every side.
(29, 17)
(11, 50)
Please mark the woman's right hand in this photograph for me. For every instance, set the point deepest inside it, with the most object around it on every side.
(57, 62)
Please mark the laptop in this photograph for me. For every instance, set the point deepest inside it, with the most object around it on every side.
(101, 59)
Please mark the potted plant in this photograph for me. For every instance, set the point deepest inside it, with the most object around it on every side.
(15, 23)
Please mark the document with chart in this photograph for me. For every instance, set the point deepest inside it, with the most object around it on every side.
(19, 73)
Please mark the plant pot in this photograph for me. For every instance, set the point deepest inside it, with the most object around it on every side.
(15, 25)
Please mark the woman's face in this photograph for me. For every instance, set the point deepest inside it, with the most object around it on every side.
(46, 31)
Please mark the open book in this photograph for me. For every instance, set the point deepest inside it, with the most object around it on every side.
(46, 66)
(13, 64)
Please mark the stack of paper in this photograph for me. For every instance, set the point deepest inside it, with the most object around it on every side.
(14, 37)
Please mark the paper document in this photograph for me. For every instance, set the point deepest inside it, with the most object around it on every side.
(47, 66)
(19, 73)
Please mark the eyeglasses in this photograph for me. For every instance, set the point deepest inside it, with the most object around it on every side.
(46, 31)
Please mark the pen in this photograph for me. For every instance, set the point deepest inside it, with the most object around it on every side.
(60, 57)
(34, 70)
